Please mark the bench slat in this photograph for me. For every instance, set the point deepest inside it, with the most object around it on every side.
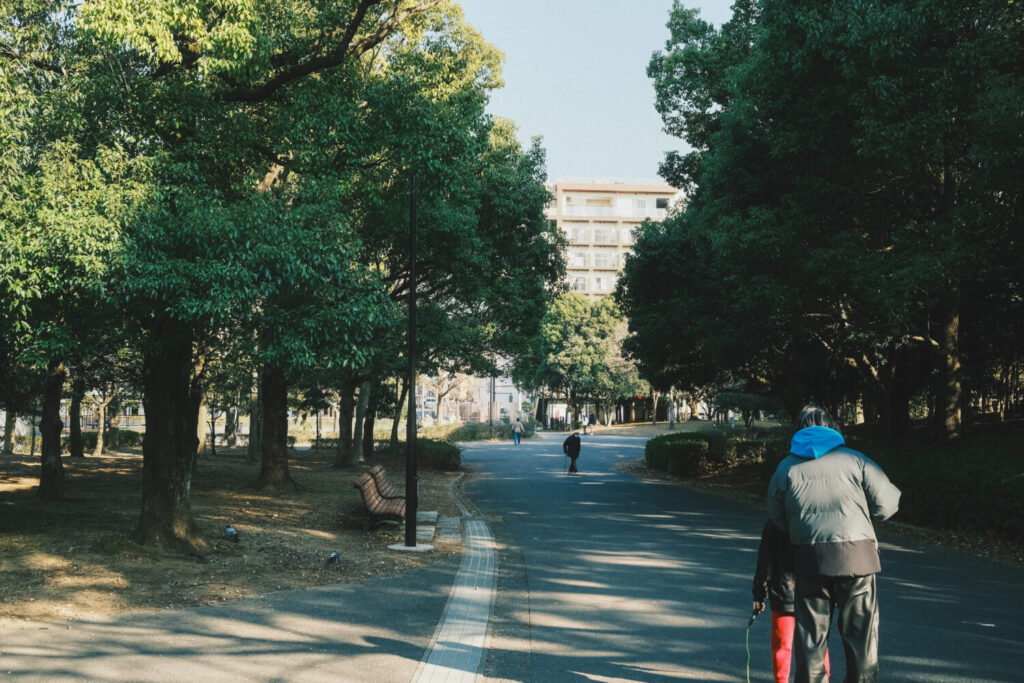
(378, 508)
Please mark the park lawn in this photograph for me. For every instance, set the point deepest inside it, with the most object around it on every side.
(73, 560)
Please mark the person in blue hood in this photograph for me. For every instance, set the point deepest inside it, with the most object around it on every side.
(824, 495)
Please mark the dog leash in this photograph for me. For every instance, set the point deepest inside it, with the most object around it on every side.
(749, 624)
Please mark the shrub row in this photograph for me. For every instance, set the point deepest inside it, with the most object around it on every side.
(478, 431)
(694, 454)
(975, 485)
(680, 454)
(126, 437)
(431, 454)
(438, 455)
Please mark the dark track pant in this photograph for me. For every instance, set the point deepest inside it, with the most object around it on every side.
(856, 599)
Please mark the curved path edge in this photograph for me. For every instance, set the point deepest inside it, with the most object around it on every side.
(456, 652)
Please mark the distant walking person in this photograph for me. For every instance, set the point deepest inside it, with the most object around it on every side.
(824, 495)
(571, 446)
(774, 581)
(517, 431)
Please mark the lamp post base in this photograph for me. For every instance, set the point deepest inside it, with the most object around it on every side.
(418, 548)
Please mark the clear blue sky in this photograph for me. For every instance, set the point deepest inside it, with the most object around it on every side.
(576, 74)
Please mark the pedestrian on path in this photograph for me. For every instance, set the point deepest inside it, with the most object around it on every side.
(517, 431)
(774, 580)
(825, 495)
(571, 447)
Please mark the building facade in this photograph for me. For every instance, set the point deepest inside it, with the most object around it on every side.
(598, 218)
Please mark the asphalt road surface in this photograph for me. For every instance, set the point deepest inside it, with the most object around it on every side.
(605, 577)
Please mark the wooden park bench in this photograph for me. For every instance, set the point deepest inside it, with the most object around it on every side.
(385, 487)
(378, 508)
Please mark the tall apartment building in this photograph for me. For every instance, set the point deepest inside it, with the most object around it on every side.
(599, 218)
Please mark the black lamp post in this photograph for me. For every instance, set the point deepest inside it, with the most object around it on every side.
(411, 478)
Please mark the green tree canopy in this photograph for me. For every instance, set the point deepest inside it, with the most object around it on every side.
(842, 212)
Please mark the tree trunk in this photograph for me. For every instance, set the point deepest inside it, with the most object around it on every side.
(114, 415)
(255, 419)
(343, 456)
(213, 432)
(51, 476)
(10, 420)
(883, 399)
(371, 419)
(75, 444)
(899, 397)
(951, 371)
(171, 401)
(101, 408)
(398, 416)
(231, 426)
(201, 428)
(357, 435)
(316, 438)
(654, 408)
(274, 452)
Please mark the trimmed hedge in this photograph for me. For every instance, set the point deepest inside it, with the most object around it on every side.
(680, 454)
(438, 455)
(431, 454)
(478, 431)
(128, 437)
(974, 485)
(977, 484)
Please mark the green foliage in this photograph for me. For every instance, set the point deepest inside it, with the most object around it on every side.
(479, 431)
(843, 207)
(438, 455)
(434, 454)
(577, 352)
(232, 181)
(973, 485)
(127, 438)
(679, 454)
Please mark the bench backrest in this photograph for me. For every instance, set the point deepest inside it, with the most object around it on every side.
(384, 487)
(368, 487)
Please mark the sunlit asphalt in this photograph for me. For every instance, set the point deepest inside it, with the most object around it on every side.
(606, 577)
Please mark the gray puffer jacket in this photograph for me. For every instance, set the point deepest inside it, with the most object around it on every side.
(824, 495)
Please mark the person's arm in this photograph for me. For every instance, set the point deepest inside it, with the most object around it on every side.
(882, 495)
(764, 562)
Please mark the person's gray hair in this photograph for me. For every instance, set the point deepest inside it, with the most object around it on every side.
(815, 416)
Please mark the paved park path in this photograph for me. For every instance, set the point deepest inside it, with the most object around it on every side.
(604, 577)
(601, 577)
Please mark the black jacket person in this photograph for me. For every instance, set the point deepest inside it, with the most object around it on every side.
(571, 446)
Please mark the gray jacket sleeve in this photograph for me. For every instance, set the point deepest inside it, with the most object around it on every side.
(776, 500)
(883, 496)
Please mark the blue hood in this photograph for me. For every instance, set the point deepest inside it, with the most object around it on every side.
(814, 442)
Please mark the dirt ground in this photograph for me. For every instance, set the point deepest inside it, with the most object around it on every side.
(75, 560)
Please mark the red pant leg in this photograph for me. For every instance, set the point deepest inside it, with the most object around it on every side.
(783, 624)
